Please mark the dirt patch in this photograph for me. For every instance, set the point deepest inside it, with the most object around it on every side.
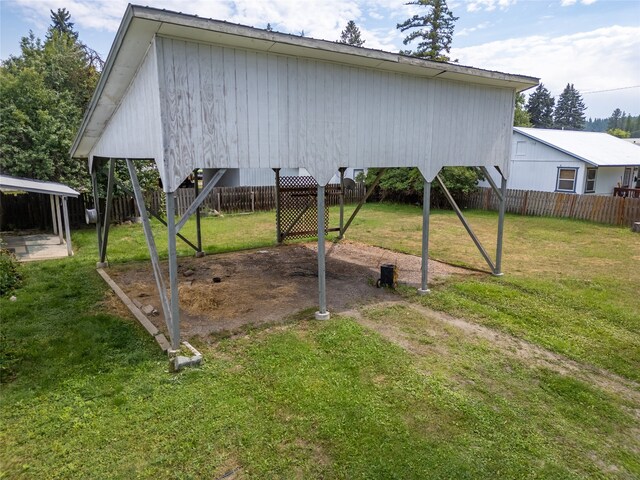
(528, 353)
(223, 293)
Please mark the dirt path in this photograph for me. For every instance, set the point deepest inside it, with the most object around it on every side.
(509, 345)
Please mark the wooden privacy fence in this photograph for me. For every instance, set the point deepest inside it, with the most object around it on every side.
(25, 211)
(596, 208)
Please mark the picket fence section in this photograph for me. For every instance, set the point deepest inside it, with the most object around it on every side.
(596, 208)
(27, 211)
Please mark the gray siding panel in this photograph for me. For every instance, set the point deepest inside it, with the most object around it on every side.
(231, 108)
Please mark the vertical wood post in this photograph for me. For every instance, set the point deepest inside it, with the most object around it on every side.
(59, 219)
(53, 214)
(426, 211)
(322, 313)
(341, 203)
(278, 220)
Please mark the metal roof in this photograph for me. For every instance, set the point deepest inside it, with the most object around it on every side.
(16, 184)
(595, 148)
(140, 25)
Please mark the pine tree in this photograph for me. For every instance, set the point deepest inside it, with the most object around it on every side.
(60, 23)
(614, 119)
(434, 30)
(351, 35)
(540, 107)
(569, 112)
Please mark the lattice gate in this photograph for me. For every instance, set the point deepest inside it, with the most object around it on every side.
(297, 215)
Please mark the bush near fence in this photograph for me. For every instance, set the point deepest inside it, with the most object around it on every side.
(34, 211)
(596, 208)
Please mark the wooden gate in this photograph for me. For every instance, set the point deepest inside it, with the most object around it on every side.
(297, 215)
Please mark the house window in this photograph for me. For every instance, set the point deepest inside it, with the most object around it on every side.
(566, 179)
(626, 180)
(590, 182)
(520, 149)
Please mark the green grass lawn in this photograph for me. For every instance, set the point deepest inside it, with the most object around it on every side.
(87, 394)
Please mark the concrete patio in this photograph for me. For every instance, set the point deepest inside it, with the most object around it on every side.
(33, 247)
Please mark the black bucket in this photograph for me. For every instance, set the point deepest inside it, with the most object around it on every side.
(388, 276)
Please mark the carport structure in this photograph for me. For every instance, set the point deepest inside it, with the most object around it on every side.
(192, 93)
(58, 194)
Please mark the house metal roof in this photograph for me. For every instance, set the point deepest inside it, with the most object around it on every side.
(16, 184)
(594, 148)
(141, 24)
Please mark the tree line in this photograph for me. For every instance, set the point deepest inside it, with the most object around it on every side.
(620, 124)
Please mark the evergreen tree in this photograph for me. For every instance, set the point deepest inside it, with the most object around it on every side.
(521, 117)
(434, 30)
(614, 119)
(351, 35)
(43, 93)
(540, 107)
(569, 112)
(60, 22)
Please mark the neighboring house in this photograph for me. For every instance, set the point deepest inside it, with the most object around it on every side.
(257, 177)
(571, 162)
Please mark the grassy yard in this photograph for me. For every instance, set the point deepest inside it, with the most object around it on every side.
(87, 394)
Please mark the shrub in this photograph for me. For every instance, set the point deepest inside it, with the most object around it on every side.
(10, 274)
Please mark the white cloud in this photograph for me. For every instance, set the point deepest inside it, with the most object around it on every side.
(568, 3)
(600, 59)
(488, 5)
(466, 31)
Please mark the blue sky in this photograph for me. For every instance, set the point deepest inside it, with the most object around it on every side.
(594, 44)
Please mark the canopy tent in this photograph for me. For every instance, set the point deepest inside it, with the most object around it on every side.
(193, 93)
(58, 193)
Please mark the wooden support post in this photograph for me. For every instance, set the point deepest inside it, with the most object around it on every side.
(278, 219)
(96, 203)
(54, 223)
(342, 169)
(503, 201)
(59, 219)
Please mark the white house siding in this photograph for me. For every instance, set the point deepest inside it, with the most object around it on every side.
(229, 107)
(534, 166)
(134, 130)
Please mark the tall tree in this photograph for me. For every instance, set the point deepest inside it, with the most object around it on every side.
(521, 117)
(614, 120)
(61, 23)
(351, 35)
(569, 112)
(540, 107)
(434, 30)
(43, 93)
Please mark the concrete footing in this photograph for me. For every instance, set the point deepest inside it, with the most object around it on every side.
(497, 274)
(323, 316)
(178, 362)
(636, 227)
(200, 254)
(102, 264)
(423, 292)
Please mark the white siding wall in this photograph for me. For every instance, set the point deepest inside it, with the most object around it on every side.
(534, 166)
(225, 107)
(135, 129)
